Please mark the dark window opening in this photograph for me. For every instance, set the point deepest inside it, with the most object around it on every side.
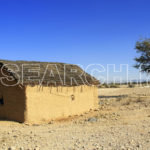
(72, 97)
(1, 101)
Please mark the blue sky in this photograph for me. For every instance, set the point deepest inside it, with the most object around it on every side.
(73, 31)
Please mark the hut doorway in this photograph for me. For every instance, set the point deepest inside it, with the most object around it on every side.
(1, 99)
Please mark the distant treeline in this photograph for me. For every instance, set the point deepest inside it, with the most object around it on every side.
(126, 84)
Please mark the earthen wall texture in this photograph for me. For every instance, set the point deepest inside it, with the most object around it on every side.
(43, 104)
(49, 103)
(14, 107)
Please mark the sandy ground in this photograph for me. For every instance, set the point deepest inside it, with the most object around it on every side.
(122, 122)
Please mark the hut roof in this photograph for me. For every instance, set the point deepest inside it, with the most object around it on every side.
(46, 73)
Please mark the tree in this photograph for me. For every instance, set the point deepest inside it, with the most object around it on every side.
(143, 61)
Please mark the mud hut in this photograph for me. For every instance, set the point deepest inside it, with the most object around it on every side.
(38, 92)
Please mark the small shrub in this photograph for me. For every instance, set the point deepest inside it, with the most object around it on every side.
(114, 86)
(126, 103)
(131, 85)
(139, 100)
